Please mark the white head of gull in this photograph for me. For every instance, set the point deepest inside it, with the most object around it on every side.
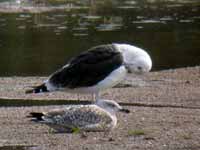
(136, 60)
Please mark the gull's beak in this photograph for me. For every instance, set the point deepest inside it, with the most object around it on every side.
(129, 71)
(124, 110)
(127, 68)
(139, 73)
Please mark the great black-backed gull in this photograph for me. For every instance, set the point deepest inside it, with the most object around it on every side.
(100, 116)
(99, 68)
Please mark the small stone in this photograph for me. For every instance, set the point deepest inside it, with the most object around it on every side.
(111, 139)
(187, 82)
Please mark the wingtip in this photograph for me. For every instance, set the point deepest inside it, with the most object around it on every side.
(37, 89)
(36, 116)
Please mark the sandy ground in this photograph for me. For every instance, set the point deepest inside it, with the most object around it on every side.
(165, 115)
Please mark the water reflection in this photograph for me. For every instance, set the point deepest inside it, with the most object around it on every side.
(39, 43)
(148, 21)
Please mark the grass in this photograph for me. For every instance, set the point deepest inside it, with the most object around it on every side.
(30, 103)
(185, 136)
(136, 132)
(75, 130)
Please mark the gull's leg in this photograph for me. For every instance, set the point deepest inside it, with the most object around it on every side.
(93, 97)
(78, 97)
(97, 96)
(83, 134)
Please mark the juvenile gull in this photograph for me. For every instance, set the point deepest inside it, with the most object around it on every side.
(99, 68)
(100, 116)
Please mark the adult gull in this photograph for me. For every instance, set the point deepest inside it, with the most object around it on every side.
(99, 68)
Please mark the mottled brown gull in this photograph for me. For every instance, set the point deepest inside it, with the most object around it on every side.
(100, 116)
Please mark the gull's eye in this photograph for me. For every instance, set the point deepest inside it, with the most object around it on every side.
(139, 68)
(111, 105)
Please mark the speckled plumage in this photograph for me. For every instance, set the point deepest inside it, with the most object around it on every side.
(81, 117)
(93, 117)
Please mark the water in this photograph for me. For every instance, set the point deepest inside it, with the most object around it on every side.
(40, 43)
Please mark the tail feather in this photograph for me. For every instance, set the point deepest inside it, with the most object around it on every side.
(36, 116)
(38, 89)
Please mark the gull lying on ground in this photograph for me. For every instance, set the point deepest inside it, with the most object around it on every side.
(99, 68)
(100, 116)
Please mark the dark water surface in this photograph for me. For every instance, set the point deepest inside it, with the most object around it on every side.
(40, 43)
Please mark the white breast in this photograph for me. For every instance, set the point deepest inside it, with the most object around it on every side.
(114, 78)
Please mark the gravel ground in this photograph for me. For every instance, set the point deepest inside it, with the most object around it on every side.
(164, 105)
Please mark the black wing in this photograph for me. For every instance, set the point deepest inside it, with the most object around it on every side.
(88, 68)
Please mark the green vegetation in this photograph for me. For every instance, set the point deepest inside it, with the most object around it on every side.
(21, 102)
(136, 132)
(75, 130)
(185, 136)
